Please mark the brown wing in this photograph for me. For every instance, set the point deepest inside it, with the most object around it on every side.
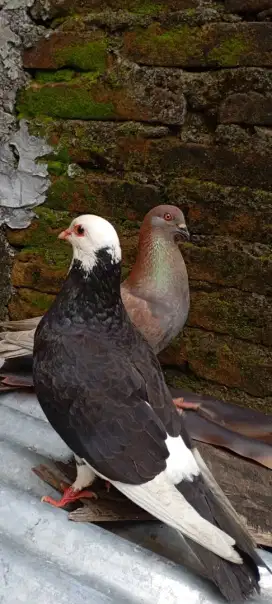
(209, 432)
(245, 421)
(151, 317)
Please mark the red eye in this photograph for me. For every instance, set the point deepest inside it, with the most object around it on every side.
(79, 230)
(168, 216)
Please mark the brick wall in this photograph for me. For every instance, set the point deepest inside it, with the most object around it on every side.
(149, 102)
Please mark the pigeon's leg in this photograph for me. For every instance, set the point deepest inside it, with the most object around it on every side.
(85, 477)
(181, 404)
(107, 486)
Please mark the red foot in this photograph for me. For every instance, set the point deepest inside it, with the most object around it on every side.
(69, 496)
(180, 403)
(107, 486)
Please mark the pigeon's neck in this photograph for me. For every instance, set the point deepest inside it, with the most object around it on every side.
(159, 264)
(92, 293)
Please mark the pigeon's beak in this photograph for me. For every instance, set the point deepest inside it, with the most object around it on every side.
(65, 234)
(183, 232)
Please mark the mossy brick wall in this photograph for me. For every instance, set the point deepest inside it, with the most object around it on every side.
(149, 102)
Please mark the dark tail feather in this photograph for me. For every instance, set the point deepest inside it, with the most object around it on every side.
(16, 373)
(236, 582)
(210, 432)
(245, 421)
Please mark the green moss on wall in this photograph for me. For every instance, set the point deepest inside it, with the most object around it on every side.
(230, 52)
(65, 194)
(73, 102)
(39, 300)
(56, 167)
(86, 56)
(174, 45)
(190, 45)
(41, 238)
(62, 75)
(147, 8)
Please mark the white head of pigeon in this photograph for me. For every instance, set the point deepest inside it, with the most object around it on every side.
(88, 234)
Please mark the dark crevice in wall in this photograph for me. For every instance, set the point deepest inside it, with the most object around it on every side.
(45, 22)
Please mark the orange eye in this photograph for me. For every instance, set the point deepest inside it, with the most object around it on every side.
(168, 216)
(79, 230)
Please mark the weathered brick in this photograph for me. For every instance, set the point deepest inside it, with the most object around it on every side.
(28, 303)
(230, 263)
(215, 44)
(247, 6)
(230, 311)
(225, 360)
(239, 165)
(118, 199)
(142, 148)
(239, 212)
(31, 270)
(247, 108)
(205, 91)
(61, 8)
(126, 93)
(87, 51)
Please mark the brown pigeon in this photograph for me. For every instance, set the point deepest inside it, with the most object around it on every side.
(102, 389)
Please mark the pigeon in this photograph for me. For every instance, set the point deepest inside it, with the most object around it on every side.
(102, 389)
(156, 296)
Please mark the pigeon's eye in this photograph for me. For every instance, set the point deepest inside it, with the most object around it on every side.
(79, 230)
(168, 216)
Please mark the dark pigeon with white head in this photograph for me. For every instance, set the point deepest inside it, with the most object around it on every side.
(101, 387)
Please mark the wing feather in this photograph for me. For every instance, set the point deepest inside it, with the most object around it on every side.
(161, 499)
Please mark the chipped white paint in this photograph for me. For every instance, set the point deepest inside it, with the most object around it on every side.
(23, 181)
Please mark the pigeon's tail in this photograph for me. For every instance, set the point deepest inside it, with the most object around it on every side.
(242, 420)
(21, 325)
(203, 430)
(18, 337)
(236, 582)
(16, 373)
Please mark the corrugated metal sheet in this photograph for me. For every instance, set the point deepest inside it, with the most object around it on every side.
(44, 556)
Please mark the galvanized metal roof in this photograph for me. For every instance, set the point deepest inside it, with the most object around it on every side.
(44, 556)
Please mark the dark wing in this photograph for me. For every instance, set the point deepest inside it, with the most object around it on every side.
(100, 405)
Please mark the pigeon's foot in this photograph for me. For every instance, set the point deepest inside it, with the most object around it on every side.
(180, 403)
(69, 496)
(107, 486)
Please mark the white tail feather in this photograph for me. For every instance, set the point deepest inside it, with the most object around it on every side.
(161, 499)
